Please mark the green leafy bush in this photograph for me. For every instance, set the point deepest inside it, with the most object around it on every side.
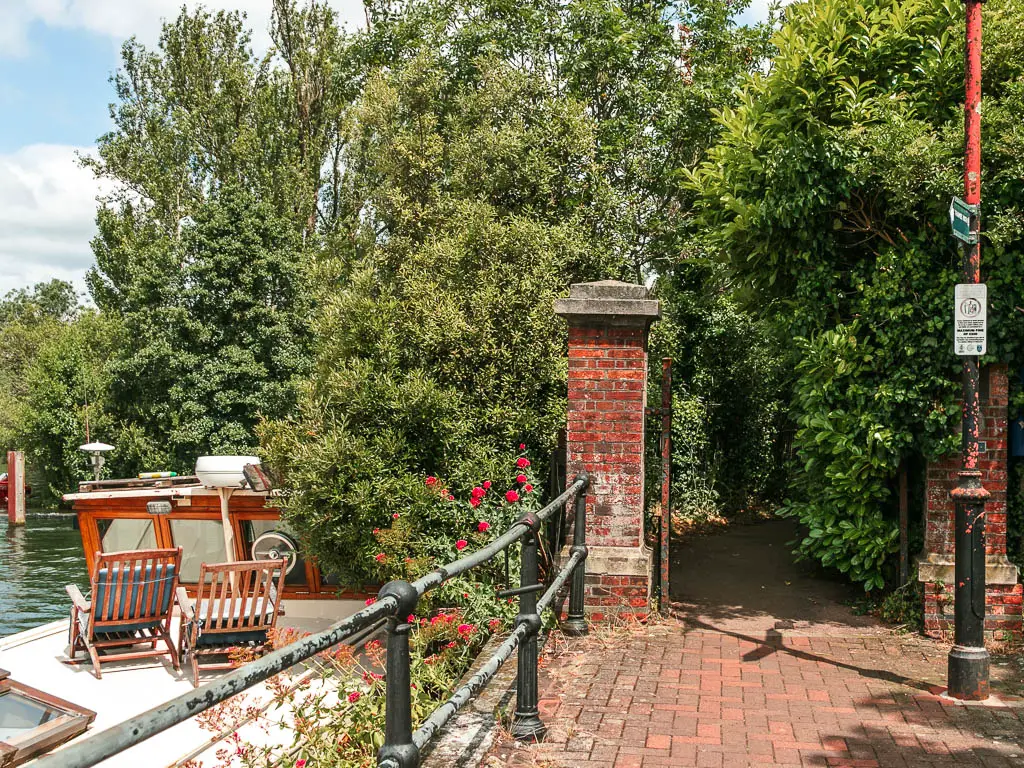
(828, 195)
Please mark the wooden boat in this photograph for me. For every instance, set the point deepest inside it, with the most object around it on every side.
(211, 524)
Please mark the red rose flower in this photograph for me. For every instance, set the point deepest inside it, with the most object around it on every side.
(354, 697)
(450, 497)
(494, 624)
(487, 484)
(520, 478)
(483, 526)
(395, 516)
(478, 493)
(461, 544)
(431, 481)
(522, 446)
(511, 497)
(410, 619)
(474, 502)
(522, 462)
(527, 487)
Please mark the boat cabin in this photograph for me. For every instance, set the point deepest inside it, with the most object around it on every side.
(209, 524)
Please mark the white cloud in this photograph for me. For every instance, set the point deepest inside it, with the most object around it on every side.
(120, 19)
(47, 215)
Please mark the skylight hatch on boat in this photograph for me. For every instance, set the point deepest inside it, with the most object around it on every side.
(33, 722)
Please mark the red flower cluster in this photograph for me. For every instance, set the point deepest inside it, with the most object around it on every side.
(483, 526)
(487, 485)
(354, 697)
(521, 478)
(380, 557)
(522, 462)
(511, 497)
(461, 544)
(527, 487)
(431, 481)
(494, 624)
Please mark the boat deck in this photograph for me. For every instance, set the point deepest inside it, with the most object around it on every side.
(128, 688)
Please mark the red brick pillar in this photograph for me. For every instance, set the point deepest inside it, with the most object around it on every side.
(608, 324)
(935, 567)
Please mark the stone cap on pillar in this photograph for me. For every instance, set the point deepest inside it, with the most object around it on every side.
(609, 302)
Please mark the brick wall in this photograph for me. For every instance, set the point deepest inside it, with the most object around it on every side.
(607, 395)
(1003, 593)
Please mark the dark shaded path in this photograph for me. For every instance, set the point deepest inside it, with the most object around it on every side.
(745, 579)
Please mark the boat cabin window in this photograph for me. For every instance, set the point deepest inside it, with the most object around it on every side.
(201, 541)
(124, 534)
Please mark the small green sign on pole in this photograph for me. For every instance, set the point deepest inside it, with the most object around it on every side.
(960, 214)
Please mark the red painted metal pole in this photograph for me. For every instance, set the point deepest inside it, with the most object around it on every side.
(968, 663)
(666, 479)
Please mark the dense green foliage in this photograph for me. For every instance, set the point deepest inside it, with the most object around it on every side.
(828, 194)
(53, 379)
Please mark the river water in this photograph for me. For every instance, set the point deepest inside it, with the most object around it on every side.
(36, 561)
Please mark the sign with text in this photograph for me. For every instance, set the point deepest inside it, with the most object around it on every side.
(969, 319)
(960, 214)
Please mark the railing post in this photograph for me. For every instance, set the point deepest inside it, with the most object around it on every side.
(399, 750)
(526, 723)
(575, 624)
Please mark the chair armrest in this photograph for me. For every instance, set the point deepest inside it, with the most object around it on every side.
(77, 599)
(188, 610)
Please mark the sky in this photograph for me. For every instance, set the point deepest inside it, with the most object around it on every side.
(56, 60)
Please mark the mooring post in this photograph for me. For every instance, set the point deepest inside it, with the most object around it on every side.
(575, 624)
(399, 750)
(15, 488)
(526, 722)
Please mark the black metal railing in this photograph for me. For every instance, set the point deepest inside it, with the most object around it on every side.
(395, 602)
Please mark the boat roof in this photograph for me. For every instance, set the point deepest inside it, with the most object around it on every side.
(128, 688)
(151, 488)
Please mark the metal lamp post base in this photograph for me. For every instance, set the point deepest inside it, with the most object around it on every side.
(968, 673)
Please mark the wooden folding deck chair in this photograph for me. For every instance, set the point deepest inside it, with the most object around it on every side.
(236, 605)
(132, 597)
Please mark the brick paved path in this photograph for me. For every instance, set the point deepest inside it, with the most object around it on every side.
(707, 695)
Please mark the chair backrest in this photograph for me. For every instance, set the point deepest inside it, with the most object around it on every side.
(239, 597)
(134, 587)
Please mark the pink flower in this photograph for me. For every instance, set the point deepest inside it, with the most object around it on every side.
(474, 502)
(451, 644)
(395, 516)
(450, 497)
(461, 544)
(431, 481)
(410, 619)
(522, 446)
(487, 484)
(511, 497)
(436, 619)
(300, 763)
(522, 462)
(527, 487)
(354, 697)
(494, 624)
(376, 531)
(478, 493)
(483, 526)
(466, 629)
(520, 478)
(371, 600)
(380, 557)
(369, 677)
